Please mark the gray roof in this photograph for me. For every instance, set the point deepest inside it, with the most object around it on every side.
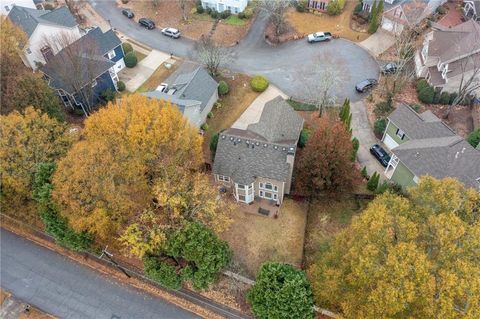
(28, 19)
(442, 157)
(181, 104)
(104, 42)
(419, 126)
(261, 150)
(193, 83)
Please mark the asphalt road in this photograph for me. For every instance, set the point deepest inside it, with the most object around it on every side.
(289, 66)
(66, 289)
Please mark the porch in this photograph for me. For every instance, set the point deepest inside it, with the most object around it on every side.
(263, 207)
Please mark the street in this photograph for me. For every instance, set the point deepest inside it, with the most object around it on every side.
(66, 289)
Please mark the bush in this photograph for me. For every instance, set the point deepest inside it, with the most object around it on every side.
(48, 6)
(248, 13)
(108, 95)
(356, 146)
(436, 97)
(204, 127)
(441, 10)
(209, 115)
(208, 10)
(373, 182)
(416, 107)
(259, 83)
(127, 47)
(200, 9)
(365, 173)
(214, 14)
(474, 138)
(130, 60)
(121, 86)
(379, 127)
(225, 14)
(213, 144)
(444, 98)
(241, 15)
(421, 85)
(303, 139)
(383, 108)
(426, 95)
(453, 96)
(358, 8)
(389, 186)
(223, 88)
(300, 5)
(334, 8)
(162, 273)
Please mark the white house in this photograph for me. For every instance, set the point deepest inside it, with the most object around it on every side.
(235, 6)
(43, 29)
(7, 5)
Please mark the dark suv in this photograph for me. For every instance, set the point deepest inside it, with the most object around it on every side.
(365, 85)
(147, 23)
(389, 68)
(380, 154)
(128, 13)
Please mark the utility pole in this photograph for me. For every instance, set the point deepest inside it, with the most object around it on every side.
(109, 256)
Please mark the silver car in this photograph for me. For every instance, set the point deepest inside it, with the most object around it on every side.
(171, 32)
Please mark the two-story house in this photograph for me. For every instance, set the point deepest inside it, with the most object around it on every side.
(256, 160)
(450, 56)
(7, 5)
(82, 71)
(47, 31)
(421, 144)
(471, 10)
(191, 89)
(235, 6)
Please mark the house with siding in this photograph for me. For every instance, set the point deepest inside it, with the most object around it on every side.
(256, 161)
(450, 56)
(471, 10)
(421, 144)
(234, 6)
(82, 71)
(191, 89)
(7, 5)
(44, 30)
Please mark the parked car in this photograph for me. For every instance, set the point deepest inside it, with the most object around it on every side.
(389, 68)
(171, 32)
(365, 85)
(147, 23)
(128, 13)
(319, 37)
(380, 154)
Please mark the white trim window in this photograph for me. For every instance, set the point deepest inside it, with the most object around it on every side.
(222, 178)
(112, 54)
(268, 186)
(268, 195)
(400, 133)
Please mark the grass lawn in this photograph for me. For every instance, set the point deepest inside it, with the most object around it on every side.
(300, 106)
(256, 239)
(140, 56)
(326, 218)
(160, 74)
(306, 23)
(234, 20)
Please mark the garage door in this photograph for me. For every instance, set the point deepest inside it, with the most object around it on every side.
(389, 142)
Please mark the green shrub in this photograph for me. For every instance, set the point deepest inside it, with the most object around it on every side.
(365, 173)
(441, 10)
(373, 182)
(217, 105)
(303, 139)
(130, 60)
(474, 138)
(356, 146)
(162, 273)
(204, 126)
(358, 8)
(389, 186)
(453, 96)
(300, 5)
(223, 88)
(200, 9)
(127, 47)
(426, 95)
(334, 8)
(259, 83)
(208, 10)
(379, 127)
(209, 115)
(225, 14)
(108, 95)
(121, 86)
(421, 84)
(444, 98)
(416, 107)
(241, 15)
(214, 14)
(248, 13)
(383, 108)
(436, 97)
(213, 144)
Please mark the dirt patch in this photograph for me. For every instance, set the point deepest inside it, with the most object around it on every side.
(257, 239)
(230, 35)
(305, 23)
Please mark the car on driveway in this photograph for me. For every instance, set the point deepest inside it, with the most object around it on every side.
(380, 154)
(365, 85)
(171, 32)
(389, 68)
(147, 23)
(319, 37)
(128, 13)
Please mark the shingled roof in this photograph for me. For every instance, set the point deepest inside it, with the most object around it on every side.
(262, 149)
(103, 42)
(28, 19)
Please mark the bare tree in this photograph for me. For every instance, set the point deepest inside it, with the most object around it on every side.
(276, 10)
(75, 7)
(184, 7)
(211, 55)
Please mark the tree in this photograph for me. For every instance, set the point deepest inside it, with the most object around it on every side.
(373, 182)
(75, 7)
(356, 146)
(211, 55)
(373, 18)
(276, 11)
(193, 253)
(281, 291)
(128, 150)
(325, 163)
(474, 138)
(184, 8)
(27, 139)
(213, 144)
(406, 257)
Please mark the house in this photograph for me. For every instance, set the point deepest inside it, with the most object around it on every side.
(47, 31)
(82, 71)
(401, 14)
(235, 6)
(471, 10)
(319, 5)
(191, 89)
(421, 144)
(448, 54)
(7, 5)
(256, 162)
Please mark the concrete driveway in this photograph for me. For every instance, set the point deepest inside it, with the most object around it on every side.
(378, 42)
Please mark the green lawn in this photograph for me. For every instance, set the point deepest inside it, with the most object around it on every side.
(234, 20)
(300, 106)
(140, 56)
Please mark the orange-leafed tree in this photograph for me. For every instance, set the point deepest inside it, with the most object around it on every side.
(325, 163)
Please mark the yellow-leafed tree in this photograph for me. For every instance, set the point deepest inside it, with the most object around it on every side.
(406, 257)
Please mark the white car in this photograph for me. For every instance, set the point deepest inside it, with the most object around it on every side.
(171, 32)
(319, 37)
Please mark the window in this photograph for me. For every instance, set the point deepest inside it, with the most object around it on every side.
(269, 186)
(7, 8)
(111, 54)
(94, 83)
(400, 134)
(223, 178)
(240, 186)
(28, 51)
(241, 198)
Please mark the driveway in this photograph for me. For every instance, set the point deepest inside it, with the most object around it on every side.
(285, 65)
(378, 42)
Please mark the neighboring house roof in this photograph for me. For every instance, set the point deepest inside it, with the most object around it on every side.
(28, 19)
(180, 103)
(419, 126)
(104, 42)
(261, 150)
(433, 148)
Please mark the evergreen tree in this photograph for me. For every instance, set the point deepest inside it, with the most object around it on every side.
(373, 182)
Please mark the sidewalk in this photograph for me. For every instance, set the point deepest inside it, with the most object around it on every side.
(13, 308)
